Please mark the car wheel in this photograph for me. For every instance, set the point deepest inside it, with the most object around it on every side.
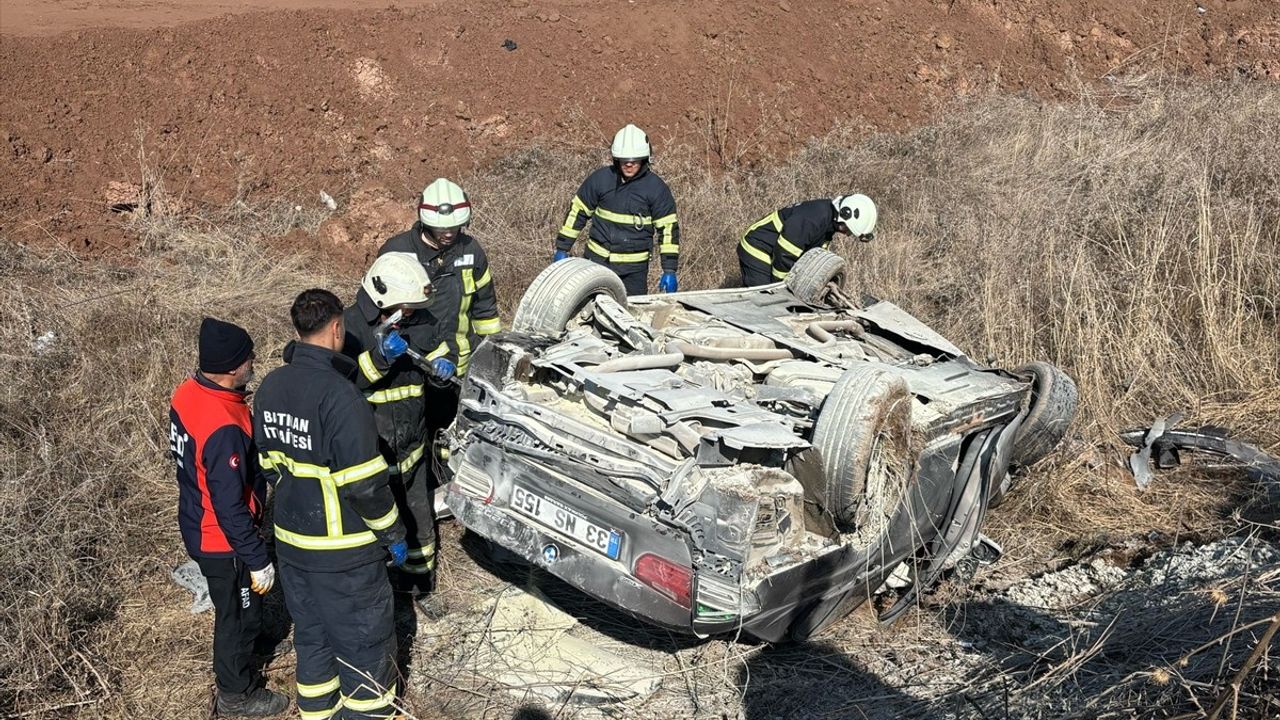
(864, 434)
(1054, 398)
(561, 291)
(812, 273)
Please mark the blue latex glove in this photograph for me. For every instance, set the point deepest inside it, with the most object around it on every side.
(393, 346)
(560, 255)
(399, 552)
(443, 368)
(667, 283)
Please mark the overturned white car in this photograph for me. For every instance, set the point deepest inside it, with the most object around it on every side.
(756, 460)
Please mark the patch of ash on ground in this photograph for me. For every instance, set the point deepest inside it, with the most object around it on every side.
(1090, 640)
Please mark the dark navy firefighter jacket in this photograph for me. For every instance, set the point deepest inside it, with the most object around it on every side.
(625, 215)
(318, 444)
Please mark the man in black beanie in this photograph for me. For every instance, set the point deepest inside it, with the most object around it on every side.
(221, 494)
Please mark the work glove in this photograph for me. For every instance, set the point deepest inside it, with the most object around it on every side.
(399, 552)
(667, 283)
(393, 346)
(560, 255)
(443, 369)
(261, 581)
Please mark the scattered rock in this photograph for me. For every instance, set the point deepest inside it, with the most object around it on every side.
(943, 42)
(784, 6)
(509, 45)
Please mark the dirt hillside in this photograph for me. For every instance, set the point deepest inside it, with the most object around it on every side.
(297, 96)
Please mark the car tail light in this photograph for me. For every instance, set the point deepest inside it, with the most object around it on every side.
(674, 581)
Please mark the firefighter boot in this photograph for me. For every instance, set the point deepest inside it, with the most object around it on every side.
(259, 702)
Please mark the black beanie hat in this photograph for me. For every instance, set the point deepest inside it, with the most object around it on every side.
(223, 346)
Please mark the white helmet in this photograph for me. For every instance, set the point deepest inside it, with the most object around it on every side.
(444, 205)
(857, 213)
(398, 280)
(630, 143)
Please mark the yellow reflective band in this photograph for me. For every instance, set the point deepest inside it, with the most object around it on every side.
(371, 704)
(423, 552)
(441, 350)
(785, 244)
(621, 219)
(485, 279)
(488, 326)
(332, 510)
(600, 250)
(317, 542)
(665, 221)
(385, 521)
(319, 689)
(668, 248)
(356, 473)
(395, 394)
(462, 339)
(318, 714)
(756, 252)
(419, 568)
(276, 459)
(266, 462)
(468, 281)
(780, 274)
(411, 459)
(367, 367)
(577, 206)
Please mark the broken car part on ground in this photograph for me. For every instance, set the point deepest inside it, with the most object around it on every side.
(757, 460)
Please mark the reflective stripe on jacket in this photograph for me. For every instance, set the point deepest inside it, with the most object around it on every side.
(318, 442)
(625, 216)
(778, 239)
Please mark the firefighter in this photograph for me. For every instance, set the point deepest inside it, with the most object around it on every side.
(336, 520)
(458, 266)
(395, 385)
(771, 246)
(221, 494)
(627, 203)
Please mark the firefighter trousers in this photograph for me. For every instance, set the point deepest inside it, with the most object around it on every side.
(754, 272)
(237, 622)
(415, 499)
(344, 636)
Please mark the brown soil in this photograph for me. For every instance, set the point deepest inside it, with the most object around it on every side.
(306, 97)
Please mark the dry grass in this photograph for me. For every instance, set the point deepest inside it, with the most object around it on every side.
(1132, 238)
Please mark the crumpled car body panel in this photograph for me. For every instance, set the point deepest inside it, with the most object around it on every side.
(660, 457)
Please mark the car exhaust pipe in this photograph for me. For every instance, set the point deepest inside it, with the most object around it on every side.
(718, 353)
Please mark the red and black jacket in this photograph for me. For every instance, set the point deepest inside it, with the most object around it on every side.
(221, 491)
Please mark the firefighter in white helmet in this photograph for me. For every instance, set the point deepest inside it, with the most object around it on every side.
(457, 264)
(463, 299)
(627, 204)
(772, 244)
(396, 388)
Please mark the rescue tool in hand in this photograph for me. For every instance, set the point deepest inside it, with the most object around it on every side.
(393, 346)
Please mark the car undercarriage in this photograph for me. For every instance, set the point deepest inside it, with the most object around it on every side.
(756, 460)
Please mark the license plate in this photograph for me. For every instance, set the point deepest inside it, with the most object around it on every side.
(567, 522)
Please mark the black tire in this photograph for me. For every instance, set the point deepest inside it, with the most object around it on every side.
(812, 273)
(560, 292)
(1054, 398)
(864, 434)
